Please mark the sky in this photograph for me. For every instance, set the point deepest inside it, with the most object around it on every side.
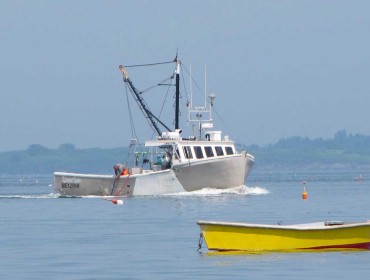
(278, 68)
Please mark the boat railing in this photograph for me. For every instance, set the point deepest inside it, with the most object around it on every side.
(239, 147)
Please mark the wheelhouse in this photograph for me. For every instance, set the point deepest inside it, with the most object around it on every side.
(190, 151)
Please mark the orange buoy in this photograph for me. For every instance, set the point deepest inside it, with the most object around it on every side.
(117, 201)
(304, 194)
(114, 200)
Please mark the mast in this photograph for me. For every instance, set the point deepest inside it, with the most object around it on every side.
(177, 94)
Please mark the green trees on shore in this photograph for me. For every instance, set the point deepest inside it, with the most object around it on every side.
(342, 150)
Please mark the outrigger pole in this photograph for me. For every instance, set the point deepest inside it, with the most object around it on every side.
(144, 108)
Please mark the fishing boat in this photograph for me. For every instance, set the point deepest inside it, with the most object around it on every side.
(171, 163)
(334, 235)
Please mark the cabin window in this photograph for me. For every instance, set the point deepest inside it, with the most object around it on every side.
(187, 152)
(177, 155)
(219, 151)
(198, 152)
(209, 151)
(229, 150)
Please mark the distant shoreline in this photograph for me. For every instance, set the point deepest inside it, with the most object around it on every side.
(294, 153)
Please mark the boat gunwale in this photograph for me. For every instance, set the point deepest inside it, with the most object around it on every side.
(106, 176)
(298, 227)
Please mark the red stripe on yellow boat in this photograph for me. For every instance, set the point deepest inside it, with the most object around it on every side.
(358, 246)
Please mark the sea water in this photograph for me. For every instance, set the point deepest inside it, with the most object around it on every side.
(46, 236)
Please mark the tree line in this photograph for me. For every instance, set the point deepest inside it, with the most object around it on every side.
(341, 150)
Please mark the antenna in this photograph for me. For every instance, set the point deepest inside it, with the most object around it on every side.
(211, 97)
(205, 85)
(191, 94)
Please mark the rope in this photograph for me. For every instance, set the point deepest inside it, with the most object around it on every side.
(164, 101)
(133, 132)
(123, 185)
(227, 128)
(149, 64)
(200, 242)
(187, 71)
(156, 85)
(184, 85)
(114, 200)
(114, 183)
(132, 125)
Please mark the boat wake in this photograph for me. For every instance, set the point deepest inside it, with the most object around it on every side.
(30, 196)
(241, 190)
(256, 190)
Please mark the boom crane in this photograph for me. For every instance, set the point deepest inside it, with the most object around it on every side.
(142, 105)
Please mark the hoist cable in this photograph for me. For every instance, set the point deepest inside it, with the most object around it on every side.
(158, 84)
(148, 64)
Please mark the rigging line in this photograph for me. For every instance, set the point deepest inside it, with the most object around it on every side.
(165, 98)
(133, 132)
(227, 128)
(148, 114)
(132, 125)
(139, 105)
(148, 64)
(218, 115)
(226, 125)
(184, 86)
(164, 101)
(193, 80)
(161, 111)
(158, 84)
(142, 105)
(150, 124)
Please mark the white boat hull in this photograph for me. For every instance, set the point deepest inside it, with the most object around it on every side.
(154, 183)
(221, 173)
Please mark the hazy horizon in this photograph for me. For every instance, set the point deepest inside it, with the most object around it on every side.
(279, 68)
(252, 144)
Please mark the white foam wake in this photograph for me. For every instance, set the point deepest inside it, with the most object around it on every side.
(256, 190)
(241, 190)
(30, 196)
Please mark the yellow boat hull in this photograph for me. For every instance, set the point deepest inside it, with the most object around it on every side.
(223, 236)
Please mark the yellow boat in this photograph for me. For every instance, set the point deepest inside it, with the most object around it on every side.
(335, 235)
